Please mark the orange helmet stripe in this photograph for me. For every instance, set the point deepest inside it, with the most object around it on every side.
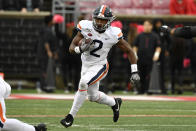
(103, 10)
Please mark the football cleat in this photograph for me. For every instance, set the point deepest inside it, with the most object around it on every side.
(67, 121)
(40, 127)
(116, 109)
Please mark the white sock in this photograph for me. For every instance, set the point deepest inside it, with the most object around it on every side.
(79, 99)
(16, 125)
(105, 99)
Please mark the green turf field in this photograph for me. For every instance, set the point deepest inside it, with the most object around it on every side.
(168, 116)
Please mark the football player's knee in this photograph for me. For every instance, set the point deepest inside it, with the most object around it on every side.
(93, 97)
(83, 84)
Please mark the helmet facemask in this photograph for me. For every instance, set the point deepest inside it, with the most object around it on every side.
(104, 27)
(107, 15)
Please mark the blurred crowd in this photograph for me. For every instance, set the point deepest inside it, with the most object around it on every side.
(176, 53)
(145, 39)
(183, 7)
(20, 5)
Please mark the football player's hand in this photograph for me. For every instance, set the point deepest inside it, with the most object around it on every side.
(135, 78)
(165, 29)
(85, 44)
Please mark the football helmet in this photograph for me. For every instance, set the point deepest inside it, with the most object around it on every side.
(103, 12)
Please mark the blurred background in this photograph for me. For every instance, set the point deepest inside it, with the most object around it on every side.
(35, 36)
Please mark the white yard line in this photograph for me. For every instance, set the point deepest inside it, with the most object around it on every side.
(71, 97)
(147, 125)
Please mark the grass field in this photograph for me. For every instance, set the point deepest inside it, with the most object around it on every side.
(135, 115)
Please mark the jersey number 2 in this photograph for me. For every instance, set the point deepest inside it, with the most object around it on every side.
(96, 49)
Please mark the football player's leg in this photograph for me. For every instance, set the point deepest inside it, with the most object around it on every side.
(16, 125)
(80, 97)
(94, 95)
(12, 124)
(87, 74)
(2, 112)
(3, 94)
(97, 96)
(100, 97)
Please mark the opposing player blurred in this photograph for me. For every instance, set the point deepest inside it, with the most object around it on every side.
(97, 37)
(13, 124)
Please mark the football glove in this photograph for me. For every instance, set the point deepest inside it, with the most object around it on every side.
(135, 78)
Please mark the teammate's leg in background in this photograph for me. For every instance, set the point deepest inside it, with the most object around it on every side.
(12, 124)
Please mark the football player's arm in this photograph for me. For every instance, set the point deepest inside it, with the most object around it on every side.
(135, 45)
(75, 42)
(135, 49)
(125, 47)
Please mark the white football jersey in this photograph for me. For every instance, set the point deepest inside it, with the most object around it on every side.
(103, 42)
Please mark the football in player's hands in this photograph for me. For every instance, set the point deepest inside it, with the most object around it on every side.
(84, 44)
(85, 41)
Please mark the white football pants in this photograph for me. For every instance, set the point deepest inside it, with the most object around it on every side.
(89, 86)
(9, 124)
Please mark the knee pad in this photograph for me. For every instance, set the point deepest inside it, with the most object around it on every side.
(93, 97)
(83, 85)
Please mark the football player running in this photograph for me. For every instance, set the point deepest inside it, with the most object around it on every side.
(13, 124)
(97, 38)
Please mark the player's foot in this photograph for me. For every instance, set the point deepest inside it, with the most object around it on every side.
(116, 109)
(40, 127)
(67, 121)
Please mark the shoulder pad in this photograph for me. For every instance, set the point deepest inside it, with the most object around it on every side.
(82, 25)
(117, 32)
